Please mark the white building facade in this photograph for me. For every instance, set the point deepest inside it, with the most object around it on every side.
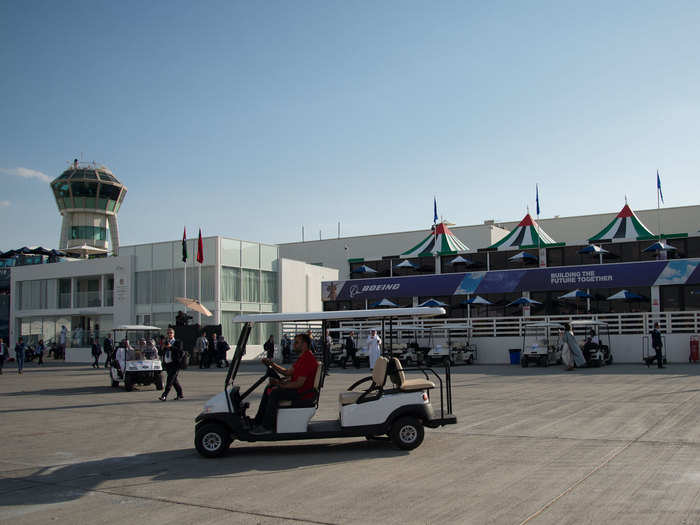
(141, 284)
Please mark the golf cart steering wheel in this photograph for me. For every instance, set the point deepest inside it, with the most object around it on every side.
(272, 373)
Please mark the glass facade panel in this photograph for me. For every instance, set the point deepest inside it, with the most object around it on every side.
(230, 284)
(230, 252)
(162, 283)
(250, 291)
(109, 192)
(229, 329)
(250, 255)
(143, 287)
(84, 189)
(268, 257)
(268, 287)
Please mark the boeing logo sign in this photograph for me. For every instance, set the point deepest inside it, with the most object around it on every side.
(356, 290)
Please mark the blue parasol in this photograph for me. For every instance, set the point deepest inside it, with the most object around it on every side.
(364, 269)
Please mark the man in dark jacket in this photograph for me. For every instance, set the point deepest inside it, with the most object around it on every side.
(351, 350)
(108, 346)
(172, 358)
(657, 344)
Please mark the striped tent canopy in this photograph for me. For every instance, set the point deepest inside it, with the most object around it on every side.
(527, 235)
(625, 226)
(441, 241)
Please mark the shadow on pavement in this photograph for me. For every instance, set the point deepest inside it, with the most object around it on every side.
(58, 484)
(70, 391)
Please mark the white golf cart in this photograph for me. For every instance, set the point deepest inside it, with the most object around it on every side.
(401, 410)
(131, 366)
(596, 348)
(542, 344)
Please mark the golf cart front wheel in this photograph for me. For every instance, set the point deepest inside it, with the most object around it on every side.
(407, 433)
(212, 440)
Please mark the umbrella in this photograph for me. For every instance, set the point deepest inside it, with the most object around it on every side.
(406, 264)
(364, 269)
(461, 260)
(523, 301)
(85, 250)
(625, 295)
(432, 302)
(477, 299)
(593, 249)
(385, 302)
(659, 246)
(194, 304)
(576, 294)
(522, 256)
(57, 253)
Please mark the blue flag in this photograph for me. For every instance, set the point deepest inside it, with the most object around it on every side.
(537, 198)
(658, 186)
(435, 217)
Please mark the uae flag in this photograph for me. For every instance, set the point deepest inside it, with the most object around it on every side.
(200, 248)
(184, 245)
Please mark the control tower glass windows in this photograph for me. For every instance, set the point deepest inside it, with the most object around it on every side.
(61, 190)
(107, 176)
(94, 233)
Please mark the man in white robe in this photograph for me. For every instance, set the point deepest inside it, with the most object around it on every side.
(374, 343)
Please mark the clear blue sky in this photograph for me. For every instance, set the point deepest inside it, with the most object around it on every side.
(249, 119)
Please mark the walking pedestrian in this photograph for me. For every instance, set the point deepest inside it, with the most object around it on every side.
(62, 338)
(40, 349)
(327, 342)
(286, 349)
(657, 344)
(20, 348)
(571, 352)
(96, 352)
(200, 348)
(374, 343)
(4, 353)
(269, 347)
(222, 347)
(172, 361)
(108, 347)
(351, 350)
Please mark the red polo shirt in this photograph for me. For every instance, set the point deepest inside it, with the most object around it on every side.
(306, 367)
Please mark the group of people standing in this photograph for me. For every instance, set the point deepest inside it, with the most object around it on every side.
(210, 351)
(21, 350)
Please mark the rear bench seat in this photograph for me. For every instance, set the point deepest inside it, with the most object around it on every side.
(408, 385)
(378, 380)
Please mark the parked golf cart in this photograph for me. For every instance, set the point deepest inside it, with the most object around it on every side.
(596, 354)
(542, 344)
(135, 368)
(369, 408)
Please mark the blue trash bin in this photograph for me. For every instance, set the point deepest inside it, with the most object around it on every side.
(514, 356)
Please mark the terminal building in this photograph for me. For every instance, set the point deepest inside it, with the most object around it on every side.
(497, 277)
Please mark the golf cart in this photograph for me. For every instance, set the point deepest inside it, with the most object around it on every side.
(461, 351)
(541, 344)
(369, 408)
(596, 353)
(135, 368)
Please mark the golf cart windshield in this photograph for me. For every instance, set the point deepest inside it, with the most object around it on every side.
(133, 334)
(249, 320)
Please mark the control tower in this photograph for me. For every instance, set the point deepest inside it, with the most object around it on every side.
(89, 197)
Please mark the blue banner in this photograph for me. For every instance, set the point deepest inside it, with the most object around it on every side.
(619, 275)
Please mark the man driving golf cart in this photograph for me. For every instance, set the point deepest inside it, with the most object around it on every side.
(123, 354)
(297, 383)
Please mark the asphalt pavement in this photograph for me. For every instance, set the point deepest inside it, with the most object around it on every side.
(618, 445)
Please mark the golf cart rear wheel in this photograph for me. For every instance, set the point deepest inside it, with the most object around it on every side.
(158, 381)
(523, 363)
(115, 384)
(128, 384)
(407, 433)
(212, 440)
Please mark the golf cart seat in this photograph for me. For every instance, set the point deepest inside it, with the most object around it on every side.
(408, 385)
(378, 379)
(307, 403)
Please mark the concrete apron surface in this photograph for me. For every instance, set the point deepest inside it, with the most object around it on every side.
(614, 445)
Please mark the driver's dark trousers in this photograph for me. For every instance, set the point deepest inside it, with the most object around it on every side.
(269, 404)
(172, 370)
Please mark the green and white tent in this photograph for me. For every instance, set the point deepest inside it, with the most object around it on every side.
(625, 226)
(441, 241)
(528, 234)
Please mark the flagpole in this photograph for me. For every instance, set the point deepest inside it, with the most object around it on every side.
(658, 204)
(199, 292)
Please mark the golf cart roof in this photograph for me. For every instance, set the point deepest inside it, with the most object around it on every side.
(135, 328)
(544, 324)
(587, 322)
(341, 315)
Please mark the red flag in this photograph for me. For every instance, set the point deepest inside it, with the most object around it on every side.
(200, 248)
